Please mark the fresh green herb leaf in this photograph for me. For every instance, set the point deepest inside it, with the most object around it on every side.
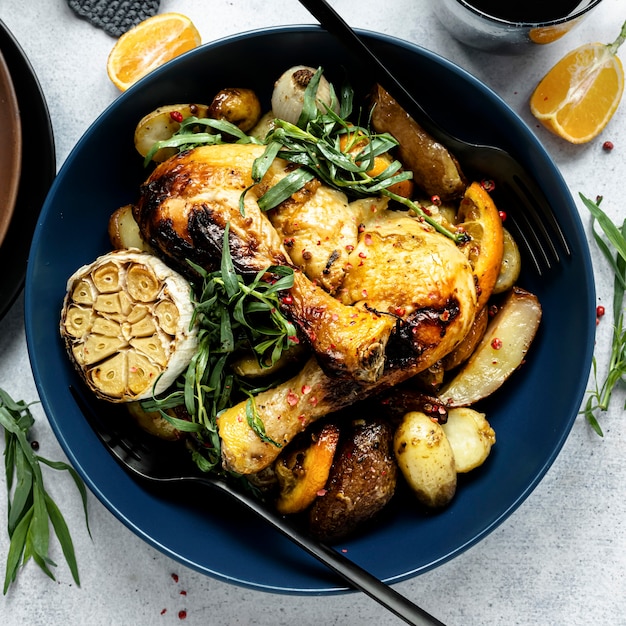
(30, 507)
(189, 136)
(256, 423)
(314, 143)
(599, 397)
(233, 315)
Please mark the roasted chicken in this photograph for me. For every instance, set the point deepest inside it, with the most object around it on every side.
(379, 294)
(183, 211)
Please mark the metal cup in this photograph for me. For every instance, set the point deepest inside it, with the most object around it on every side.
(476, 28)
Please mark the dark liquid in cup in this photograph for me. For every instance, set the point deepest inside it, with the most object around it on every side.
(525, 10)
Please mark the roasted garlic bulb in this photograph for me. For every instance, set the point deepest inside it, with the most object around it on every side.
(126, 325)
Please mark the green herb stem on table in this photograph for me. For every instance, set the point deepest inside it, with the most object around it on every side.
(614, 250)
(30, 507)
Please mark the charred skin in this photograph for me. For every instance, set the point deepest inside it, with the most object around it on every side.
(413, 276)
(406, 299)
(188, 200)
(289, 408)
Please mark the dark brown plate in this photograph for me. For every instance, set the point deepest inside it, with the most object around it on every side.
(11, 153)
(38, 169)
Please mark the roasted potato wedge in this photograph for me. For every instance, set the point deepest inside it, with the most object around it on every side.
(511, 264)
(362, 481)
(471, 437)
(434, 169)
(124, 231)
(501, 351)
(426, 460)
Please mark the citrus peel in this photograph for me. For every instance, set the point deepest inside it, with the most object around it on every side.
(479, 218)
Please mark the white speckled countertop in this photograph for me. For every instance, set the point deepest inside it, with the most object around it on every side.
(559, 559)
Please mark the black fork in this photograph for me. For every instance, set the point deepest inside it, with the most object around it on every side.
(152, 460)
(535, 224)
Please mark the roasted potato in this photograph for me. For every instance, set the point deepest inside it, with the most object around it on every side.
(511, 264)
(264, 126)
(240, 107)
(124, 231)
(434, 169)
(154, 423)
(501, 351)
(161, 124)
(426, 460)
(470, 436)
(362, 480)
(247, 364)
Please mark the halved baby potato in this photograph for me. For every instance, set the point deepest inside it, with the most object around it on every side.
(161, 124)
(471, 437)
(425, 458)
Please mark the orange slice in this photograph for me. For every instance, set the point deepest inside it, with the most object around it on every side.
(579, 95)
(479, 218)
(303, 472)
(148, 45)
(352, 145)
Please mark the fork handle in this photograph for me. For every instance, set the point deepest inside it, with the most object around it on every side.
(353, 574)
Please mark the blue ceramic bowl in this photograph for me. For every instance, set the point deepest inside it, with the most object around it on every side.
(532, 414)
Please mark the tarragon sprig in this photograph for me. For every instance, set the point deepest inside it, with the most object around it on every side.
(615, 253)
(233, 315)
(188, 135)
(30, 507)
(314, 143)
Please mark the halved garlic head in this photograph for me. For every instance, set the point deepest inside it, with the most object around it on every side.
(126, 325)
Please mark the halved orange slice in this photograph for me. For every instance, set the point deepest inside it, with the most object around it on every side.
(579, 95)
(148, 45)
(479, 218)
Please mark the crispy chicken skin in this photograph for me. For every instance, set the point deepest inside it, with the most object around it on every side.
(182, 212)
(398, 296)
(319, 229)
(404, 267)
